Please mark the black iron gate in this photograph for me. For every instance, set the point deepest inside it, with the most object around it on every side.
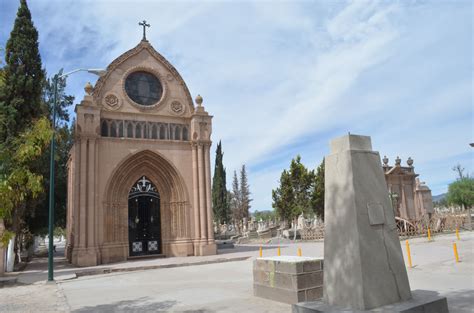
(144, 231)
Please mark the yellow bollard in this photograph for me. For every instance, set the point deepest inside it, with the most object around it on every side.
(429, 234)
(457, 233)
(261, 252)
(278, 251)
(299, 252)
(408, 254)
(456, 255)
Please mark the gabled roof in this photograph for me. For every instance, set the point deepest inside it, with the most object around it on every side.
(399, 170)
(143, 45)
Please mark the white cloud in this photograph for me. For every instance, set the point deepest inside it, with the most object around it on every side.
(283, 78)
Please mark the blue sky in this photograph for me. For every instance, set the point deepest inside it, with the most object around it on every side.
(284, 77)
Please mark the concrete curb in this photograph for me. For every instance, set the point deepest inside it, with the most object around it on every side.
(8, 281)
(109, 270)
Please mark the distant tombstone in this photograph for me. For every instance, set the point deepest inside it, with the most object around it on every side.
(300, 221)
(224, 228)
(2, 250)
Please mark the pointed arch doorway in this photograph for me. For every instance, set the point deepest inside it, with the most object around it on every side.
(144, 219)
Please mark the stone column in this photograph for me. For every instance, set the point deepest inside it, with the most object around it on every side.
(91, 218)
(404, 206)
(197, 228)
(202, 195)
(75, 197)
(210, 229)
(82, 164)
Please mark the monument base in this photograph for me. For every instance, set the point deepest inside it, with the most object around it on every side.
(422, 301)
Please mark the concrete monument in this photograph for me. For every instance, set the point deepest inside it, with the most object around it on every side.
(363, 260)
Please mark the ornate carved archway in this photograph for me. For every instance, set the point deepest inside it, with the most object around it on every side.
(175, 205)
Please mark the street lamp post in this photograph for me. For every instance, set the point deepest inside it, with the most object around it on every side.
(56, 78)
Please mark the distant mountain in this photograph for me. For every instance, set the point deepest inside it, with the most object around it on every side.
(439, 197)
(260, 212)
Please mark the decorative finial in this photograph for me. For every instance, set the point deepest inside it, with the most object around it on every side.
(410, 162)
(398, 161)
(88, 88)
(198, 100)
(385, 160)
(145, 25)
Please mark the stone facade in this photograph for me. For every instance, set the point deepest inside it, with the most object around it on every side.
(411, 198)
(118, 142)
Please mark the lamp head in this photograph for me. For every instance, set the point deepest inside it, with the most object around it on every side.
(97, 71)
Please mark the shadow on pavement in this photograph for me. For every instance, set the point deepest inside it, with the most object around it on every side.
(138, 305)
(246, 248)
(460, 301)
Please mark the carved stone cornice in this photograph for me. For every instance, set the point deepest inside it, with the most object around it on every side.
(88, 136)
(201, 143)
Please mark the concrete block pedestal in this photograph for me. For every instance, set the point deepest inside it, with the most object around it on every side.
(288, 279)
(422, 301)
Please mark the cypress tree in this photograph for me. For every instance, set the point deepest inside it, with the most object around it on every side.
(235, 201)
(219, 190)
(20, 96)
(244, 193)
(317, 196)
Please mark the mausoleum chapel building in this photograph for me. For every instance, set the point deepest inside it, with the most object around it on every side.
(411, 198)
(139, 169)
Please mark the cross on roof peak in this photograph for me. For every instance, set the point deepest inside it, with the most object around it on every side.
(145, 25)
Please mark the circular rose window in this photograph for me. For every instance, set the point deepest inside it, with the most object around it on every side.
(144, 88)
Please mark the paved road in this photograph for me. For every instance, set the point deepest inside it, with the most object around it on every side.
(227, 287)
(224, 287)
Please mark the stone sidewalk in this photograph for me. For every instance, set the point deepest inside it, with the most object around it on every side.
(37, 270)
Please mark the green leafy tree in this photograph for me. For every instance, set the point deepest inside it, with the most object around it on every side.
(2, 70)
(244, 193)
(220, 204)
(283, 197)
(21, 182)
(37, 218)
(461, 193)
(23, 131)
(20, 96)
(317, 194)
(293, 196)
